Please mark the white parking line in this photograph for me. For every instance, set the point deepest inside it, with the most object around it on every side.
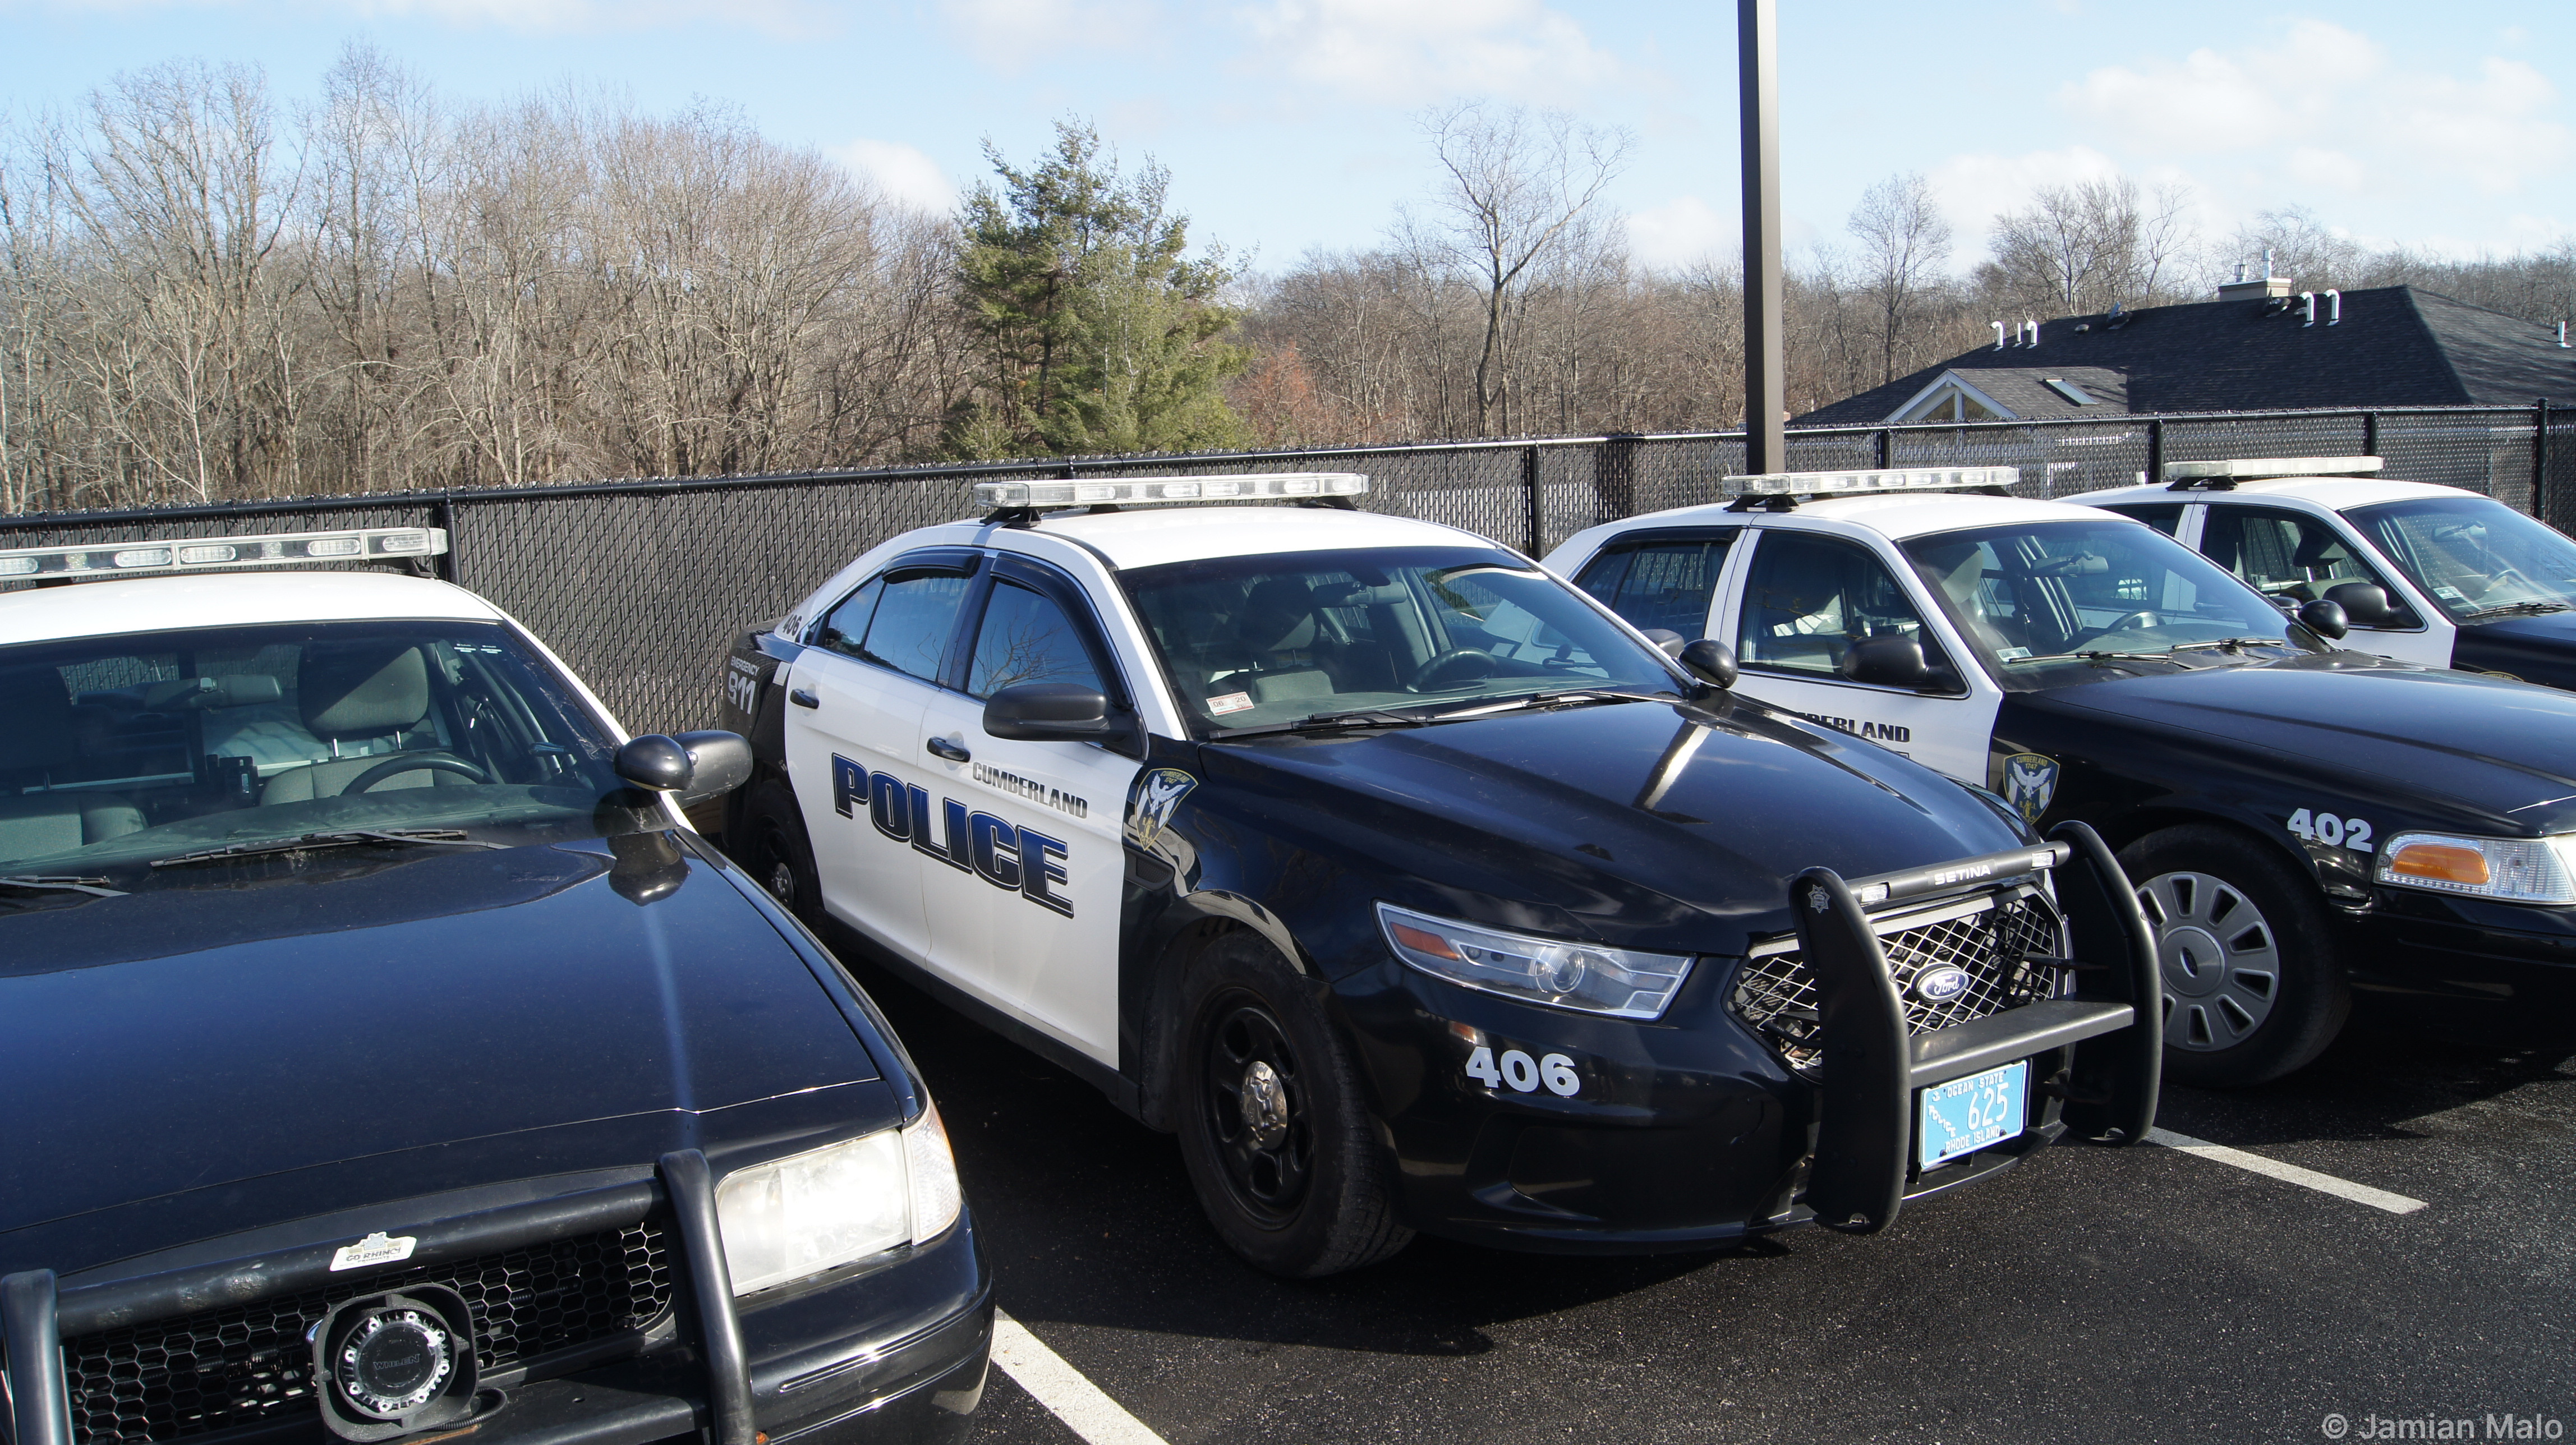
(2288, 1173)
(1080, 1404)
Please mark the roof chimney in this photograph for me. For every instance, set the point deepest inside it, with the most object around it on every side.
(1999, 334)
(2241, 290)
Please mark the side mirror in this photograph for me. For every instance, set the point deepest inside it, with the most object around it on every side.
(1886, 661)
(1710, 661)
(2364, 604)
(655, 763)
(1041, 712)
(719, 762)
(1666, 639)
(2325, 618)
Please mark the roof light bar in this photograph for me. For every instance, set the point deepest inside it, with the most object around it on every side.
(216, 554)
(2251, 467)
(1899, 479)
(1136, 491)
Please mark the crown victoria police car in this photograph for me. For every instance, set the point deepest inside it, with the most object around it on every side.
(2424, 573)
(385, 1058)
(1417, 892)
(2302, 821)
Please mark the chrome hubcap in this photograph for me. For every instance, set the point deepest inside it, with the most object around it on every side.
(782, 883)
(1265, 1105)
(2220, 959)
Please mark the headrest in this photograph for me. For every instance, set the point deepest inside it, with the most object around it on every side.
(1279, 616)
(2312, 549)
(36, 718)
(361, 690)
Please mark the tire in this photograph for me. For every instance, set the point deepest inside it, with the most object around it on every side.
(774, 851)
(1271, 1126)
(2252, 989)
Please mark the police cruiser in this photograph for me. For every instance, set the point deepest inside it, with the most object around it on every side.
(385, 1058)
(1413, 889)
(2424, 573)
(2302, 821)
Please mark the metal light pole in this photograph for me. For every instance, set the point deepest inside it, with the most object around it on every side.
(1757, 55)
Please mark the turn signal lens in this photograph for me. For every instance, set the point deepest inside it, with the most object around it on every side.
(2447, 862)
(2519, 870)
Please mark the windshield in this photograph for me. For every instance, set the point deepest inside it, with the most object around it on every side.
(2474, 554)
(2044, 603)
(123, 750)
(1265, 640)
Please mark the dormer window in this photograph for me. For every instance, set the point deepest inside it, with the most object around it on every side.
(1951, 400)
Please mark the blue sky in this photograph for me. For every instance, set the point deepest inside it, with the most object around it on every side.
(1290, 124)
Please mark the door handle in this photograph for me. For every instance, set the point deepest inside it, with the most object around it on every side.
(803, 697)
(942, 747)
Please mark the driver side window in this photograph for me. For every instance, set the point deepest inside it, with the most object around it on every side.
(2287, 555)
(1810, 598)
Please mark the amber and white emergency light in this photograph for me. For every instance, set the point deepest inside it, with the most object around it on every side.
(1139, 491)
(215, 554)
(1894, 479)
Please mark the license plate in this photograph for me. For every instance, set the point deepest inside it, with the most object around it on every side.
(1971, 1113)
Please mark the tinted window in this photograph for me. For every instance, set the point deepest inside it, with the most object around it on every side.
(1025, 637)
(1810, 598)
(2474, 554)
(847, 623)
(1660, 584)
(2165, 517)
(915, 616)
(2286, 554)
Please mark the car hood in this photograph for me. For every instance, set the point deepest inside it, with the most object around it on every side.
(1637, 823)
(2491, 754)
(2537, 648)
(270, 1020)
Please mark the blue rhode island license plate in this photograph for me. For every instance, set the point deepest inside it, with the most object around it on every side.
(1974, 1112)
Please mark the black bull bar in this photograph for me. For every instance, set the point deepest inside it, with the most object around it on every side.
(2114, 1021)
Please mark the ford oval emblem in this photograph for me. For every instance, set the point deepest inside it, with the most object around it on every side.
(1940, 985)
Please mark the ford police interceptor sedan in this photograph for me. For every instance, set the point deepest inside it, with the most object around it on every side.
(2424, 573)
(2302, 821)
(1417, 892)
(384, 1059)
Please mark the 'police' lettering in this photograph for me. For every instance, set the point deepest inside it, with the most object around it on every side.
(990, 847)
(886, 806)
(996, 850)
(849, 782)
(1038, 869)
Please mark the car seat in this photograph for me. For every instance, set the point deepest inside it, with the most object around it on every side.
(1277, 636)
(38, 720)
(360, 691)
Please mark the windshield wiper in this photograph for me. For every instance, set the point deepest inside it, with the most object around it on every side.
(1554, 699)
(2231, 644)
(62, 883)
(1360, 717)
(2509, 609)
(346, 838)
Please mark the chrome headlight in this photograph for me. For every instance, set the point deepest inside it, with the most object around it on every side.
(826, 1207)
(2519, 870)
(1619, 982)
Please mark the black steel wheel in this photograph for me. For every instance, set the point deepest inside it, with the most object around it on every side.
(1272, 1127)
(774, 851)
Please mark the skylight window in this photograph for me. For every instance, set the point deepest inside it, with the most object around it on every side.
(2072, 392)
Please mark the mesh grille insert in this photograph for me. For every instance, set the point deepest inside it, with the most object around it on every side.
(173, 1378)
(1776, 996)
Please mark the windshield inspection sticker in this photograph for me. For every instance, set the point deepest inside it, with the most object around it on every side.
(1231, 702)
(374, 1249)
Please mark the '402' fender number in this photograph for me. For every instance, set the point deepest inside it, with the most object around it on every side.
(1523, 1074)
(2330, 830)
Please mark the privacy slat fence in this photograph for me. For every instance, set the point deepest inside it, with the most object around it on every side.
(639, 585)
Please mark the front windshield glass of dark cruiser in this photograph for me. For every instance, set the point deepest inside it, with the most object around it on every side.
(2474, 554)
(115, 751)
(1262, 640)
(2044, 603)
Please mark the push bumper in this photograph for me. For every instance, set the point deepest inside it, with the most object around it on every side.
(891, 1353)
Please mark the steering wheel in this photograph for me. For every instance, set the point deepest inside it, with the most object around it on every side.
(2141, 618)
(1470, 663)
(2499, 576)
(394, 767)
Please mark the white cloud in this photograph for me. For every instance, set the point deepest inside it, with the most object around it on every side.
(1405, 52)
(794, 19)
(1680, 232)
(1011, 34)
(904, 174)
(1974, 189)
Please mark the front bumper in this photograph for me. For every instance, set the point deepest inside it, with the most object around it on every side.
(2481, 961)
(1690, 1132)
(893, 1348)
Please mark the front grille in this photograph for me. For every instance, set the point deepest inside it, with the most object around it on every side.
(170, 1379)
(1991, 936)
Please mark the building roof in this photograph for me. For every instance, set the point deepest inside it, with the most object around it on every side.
(2395, 346)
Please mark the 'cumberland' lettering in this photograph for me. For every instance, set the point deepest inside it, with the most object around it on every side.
(1877, 732)
(1033, 790)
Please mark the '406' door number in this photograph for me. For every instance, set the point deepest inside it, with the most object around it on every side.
(1523, 1074)
(2330, 830)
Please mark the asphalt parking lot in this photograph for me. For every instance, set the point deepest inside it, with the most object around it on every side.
(2139, 1294)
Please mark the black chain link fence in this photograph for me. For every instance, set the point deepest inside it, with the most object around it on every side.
(640, 586)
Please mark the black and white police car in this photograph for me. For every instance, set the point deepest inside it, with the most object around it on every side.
(2424, 573)
(384, 1058)
(2302, 821)
(1413, 889)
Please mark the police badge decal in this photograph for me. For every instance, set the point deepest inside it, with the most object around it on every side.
(2029, 782)
(1150, 801)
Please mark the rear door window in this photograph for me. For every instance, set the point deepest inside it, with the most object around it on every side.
(1665, 583)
